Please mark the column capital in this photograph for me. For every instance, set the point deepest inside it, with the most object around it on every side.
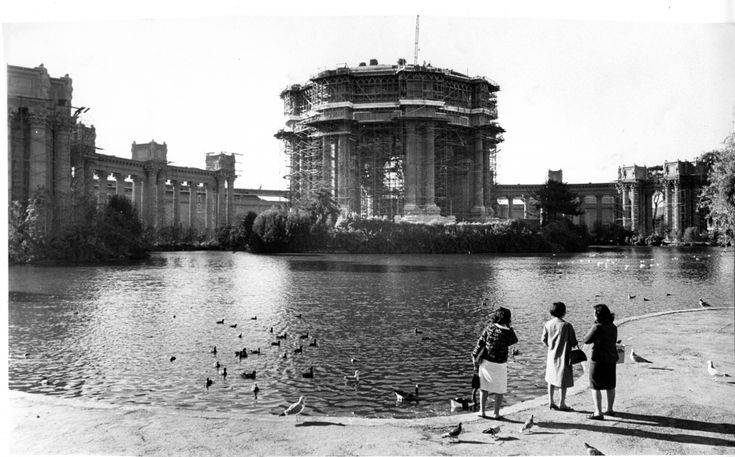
(37, 120)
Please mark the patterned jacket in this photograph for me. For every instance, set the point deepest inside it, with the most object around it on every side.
(495, 340)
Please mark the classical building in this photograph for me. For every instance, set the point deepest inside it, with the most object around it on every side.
(54, 156)
(407, 141)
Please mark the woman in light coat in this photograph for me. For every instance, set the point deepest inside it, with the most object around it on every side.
(559, 338)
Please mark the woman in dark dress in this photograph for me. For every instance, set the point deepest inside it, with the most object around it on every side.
(602, 336)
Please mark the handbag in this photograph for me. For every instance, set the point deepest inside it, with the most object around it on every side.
(577, 356)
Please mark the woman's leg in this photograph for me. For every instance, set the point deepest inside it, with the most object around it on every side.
(563, 401)
(498, 402)
(610, 400)
(483, 400)
(597, 399)
(551, 395)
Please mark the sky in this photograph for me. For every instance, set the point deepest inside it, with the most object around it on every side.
(584, 96)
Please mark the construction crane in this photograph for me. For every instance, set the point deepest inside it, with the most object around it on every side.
(416, 43)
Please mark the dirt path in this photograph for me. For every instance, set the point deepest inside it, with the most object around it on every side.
(669, 407)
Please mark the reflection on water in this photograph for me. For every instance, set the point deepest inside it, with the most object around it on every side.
(108, 332)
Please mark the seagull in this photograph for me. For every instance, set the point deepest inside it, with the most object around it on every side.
(221, 321)
(355, 378)
(298, 350)
(454, 433)
(233, 325)
(255, 389)
(635, 358)
(208, 383)
(492, 430)
(313, 343)
(703, 303)
(172, 358)
(714, 372)
(402, 396)
(592, 450)
(276, 343)
(247, 375)
(296, 408)
(308, 374)
(528, 425)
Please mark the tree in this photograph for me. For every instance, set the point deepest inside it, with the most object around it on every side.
(719, 196)
(555, 200)
(321, 206)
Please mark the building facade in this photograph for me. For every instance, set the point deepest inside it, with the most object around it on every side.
(408, 141)
(54, 156)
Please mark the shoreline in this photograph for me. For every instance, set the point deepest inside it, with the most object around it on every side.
(49, 425)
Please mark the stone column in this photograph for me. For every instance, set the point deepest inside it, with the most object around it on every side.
(296, 175)
(119, 183)
(62, 170)
(634, 203)
(221, 202)
(510, 206)
(675, 211)
(230, 195)
(349, 188)
(193, 187)
(160, 216)
(149, 196)
(625, 206)
(327, 163)
(39, 176)
(175, 202)
(410, 180)
(488, 181)
(598, 210)
(429, 171)
(478, 210)
(88, 178)
(208, 206)
(138, 194)
(667, 205)
(102, 187)
(525, 207)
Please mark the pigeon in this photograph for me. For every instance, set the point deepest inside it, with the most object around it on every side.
(247, 375)
(402, 396)
(703, 303)
(592, 450)
(255, 389)
(492, 430)
(528, 425)
(454, 433)
(309, 374)
(208, 383)
(635, 358)
(296, 408)
(221, 321)
(714, 372)
(355, 378)
(172, 358)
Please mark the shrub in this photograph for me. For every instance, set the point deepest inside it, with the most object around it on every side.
(691, 235)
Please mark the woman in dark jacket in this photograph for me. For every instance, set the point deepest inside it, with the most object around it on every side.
(490, 358)
(602, 336)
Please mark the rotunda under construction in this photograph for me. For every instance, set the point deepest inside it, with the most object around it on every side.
(413, 141)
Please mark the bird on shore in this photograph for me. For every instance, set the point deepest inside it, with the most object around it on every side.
(276, 343)
(454, 433)
(214, 350)
(309, 374)
(304, 336)
(247, 375)
(592, 450)
(172, 358)
(299, 350)
(233, 325)
(353, 378)
(703, 303)
(221, 321)
(313, 343)
(714, 372)
(528, 425)
(255, 389)
(208, 383)
(635, 358)
(492, 431)
(402, 396)
(296, 408)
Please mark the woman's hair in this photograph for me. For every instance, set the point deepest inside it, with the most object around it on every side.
(501, 316)
(603, 314)
(558, 309)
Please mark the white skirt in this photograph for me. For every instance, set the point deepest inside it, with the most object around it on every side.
(493, 377)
